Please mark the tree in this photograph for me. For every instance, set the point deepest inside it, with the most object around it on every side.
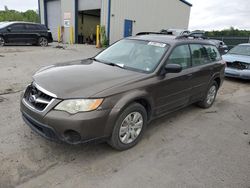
(231, 32)
(13, 15)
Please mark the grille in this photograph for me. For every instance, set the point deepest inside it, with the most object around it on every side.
(36, 98)
(238, 65)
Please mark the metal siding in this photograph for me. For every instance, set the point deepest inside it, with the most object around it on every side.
(68, 6)
(148, 16)
(53, 17)
(105, 15)
(41, 10)
(89, 4)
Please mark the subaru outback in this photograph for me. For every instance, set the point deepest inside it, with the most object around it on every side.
(114, 95)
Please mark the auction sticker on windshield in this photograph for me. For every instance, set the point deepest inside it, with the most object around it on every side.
(158, 44)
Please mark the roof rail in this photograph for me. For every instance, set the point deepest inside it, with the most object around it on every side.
(191, 35)
(148, 33)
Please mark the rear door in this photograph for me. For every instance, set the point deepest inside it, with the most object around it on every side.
(32, 31)
(173, 91)
(202, 67)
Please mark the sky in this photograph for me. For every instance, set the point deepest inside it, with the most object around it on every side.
(219, 14)
(205, 15)
(21, 5)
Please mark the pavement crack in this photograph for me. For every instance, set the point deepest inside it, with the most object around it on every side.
(39, 173)
(10, 91)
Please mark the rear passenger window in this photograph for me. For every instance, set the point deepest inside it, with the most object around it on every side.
(32, 27)
(180, 55)
(213, 53)
(199, 55)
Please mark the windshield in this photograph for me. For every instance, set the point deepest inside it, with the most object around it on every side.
(4, 24)
(240, 50)
(143, 56)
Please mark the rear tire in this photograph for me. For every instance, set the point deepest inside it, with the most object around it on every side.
(211, 94)
(42, 41)
(2, 41)
(129, 127)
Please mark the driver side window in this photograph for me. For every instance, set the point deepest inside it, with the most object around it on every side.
(181, 56)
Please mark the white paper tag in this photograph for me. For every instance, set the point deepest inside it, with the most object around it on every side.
(158, 44)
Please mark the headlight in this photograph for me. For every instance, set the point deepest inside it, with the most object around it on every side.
(79, 105)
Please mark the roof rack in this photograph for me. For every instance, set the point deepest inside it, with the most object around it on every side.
(184, 36)
(191, 35)
(148, 33)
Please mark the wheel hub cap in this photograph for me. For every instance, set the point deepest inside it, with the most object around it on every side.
(211, 95)
(131, 127)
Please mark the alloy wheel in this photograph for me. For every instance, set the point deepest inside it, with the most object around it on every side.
(131, 127)
(2, 41)
(211, 94)
(43, 41)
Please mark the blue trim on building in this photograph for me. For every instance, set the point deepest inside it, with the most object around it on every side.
(109, 16)
(45, 13)
(76, 21)
(39, 11)
(187, 3)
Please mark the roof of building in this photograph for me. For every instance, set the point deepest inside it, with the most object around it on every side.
(186, 2)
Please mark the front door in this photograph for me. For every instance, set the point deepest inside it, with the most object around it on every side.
(173, 91)
(128, 28)
(16, 33)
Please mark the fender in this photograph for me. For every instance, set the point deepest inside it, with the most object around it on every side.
(216, 75)
(126, 99)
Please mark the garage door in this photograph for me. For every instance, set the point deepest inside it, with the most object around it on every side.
(89, 4)
(54, 16)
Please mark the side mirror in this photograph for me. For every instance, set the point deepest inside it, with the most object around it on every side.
(9, 29)
(173, 68)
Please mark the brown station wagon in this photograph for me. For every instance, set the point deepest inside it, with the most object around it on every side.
(114, 95)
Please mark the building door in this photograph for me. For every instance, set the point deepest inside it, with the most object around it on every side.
(128, 28)
(54, 17)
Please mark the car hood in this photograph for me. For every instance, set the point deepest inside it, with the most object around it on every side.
(234, 57)
(82, 79)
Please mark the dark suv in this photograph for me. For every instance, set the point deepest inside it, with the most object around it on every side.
(24, 33)
(114, 95)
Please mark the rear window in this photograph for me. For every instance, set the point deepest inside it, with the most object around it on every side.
(213, 53)
(35, 27)
(32, 27)
(42, 27)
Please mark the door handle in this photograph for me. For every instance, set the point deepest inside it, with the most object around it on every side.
(189, 75)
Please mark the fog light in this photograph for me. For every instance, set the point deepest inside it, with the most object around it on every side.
(72, 137)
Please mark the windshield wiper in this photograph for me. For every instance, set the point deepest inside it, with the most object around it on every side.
(115, 65)
(94, 59)
(108, 63)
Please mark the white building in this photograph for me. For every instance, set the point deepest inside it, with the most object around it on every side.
(121, 18)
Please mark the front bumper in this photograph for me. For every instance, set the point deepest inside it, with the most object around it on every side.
(60, 126)
(236, 73)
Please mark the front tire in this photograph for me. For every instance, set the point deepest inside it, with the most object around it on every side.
(42, 41)
(129, 127)
(2, 41)
(211, 94)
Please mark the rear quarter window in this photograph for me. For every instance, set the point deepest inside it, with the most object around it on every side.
(32, 27)
(213, 53)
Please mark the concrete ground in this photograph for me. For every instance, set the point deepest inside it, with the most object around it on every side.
(190, 148)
